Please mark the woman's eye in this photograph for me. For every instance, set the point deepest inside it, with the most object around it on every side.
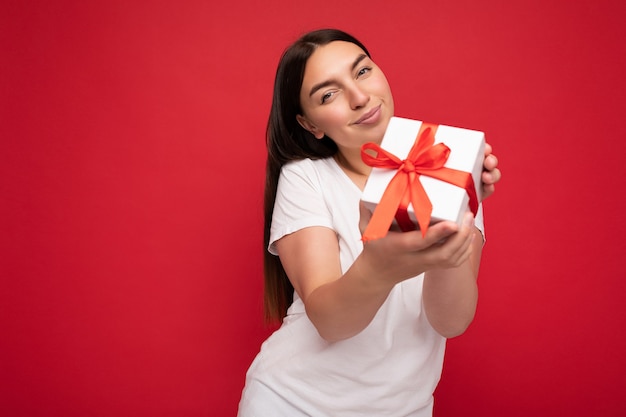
(326, 97)
(363, 71)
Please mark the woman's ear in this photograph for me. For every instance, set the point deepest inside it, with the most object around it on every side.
(307, 125)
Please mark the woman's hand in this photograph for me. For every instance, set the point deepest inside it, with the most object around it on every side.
(402, 255)
(448, 254)
(491, 174)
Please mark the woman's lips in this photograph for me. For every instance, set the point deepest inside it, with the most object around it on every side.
(370, 117)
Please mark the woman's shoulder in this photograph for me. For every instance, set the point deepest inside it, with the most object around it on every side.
(308, 163)
(317, 167)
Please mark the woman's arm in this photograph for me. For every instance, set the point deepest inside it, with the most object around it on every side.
(451, 295)
(340, 306)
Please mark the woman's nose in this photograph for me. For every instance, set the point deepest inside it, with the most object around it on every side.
(358, 97)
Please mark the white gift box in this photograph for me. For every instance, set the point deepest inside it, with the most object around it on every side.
(450, 202)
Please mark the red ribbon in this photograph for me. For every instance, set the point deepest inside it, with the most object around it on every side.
(424, 158)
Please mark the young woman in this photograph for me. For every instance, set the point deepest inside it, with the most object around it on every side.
(364, 325)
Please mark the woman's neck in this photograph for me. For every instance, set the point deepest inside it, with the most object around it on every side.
(354, 167)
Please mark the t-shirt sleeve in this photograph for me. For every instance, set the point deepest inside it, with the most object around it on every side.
(299, 202)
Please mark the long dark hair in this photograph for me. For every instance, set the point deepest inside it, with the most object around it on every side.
(288, 141)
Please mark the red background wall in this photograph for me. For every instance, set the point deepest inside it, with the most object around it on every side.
(131, 175)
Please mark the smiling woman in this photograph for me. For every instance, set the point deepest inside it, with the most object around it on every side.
(364, 326)
(345, 96)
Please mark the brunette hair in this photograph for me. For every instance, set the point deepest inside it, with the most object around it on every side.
(288, 141)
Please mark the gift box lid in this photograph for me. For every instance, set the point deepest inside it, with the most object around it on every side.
(449, 202)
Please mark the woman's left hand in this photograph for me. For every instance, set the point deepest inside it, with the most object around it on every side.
(491, 174)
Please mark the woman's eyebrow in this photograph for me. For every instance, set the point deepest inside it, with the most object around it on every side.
(326, 83)
(357, 61)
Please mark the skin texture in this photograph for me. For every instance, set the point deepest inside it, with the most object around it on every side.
(346, 97)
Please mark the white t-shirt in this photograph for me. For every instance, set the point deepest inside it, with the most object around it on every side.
(391, 368)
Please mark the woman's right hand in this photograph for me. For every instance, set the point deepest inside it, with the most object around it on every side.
(402, 255)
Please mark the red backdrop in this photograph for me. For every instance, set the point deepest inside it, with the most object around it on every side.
(131, 175)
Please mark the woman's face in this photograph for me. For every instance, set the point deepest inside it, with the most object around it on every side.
(345, 96)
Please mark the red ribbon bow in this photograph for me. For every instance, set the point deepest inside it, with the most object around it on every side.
(424, 158)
